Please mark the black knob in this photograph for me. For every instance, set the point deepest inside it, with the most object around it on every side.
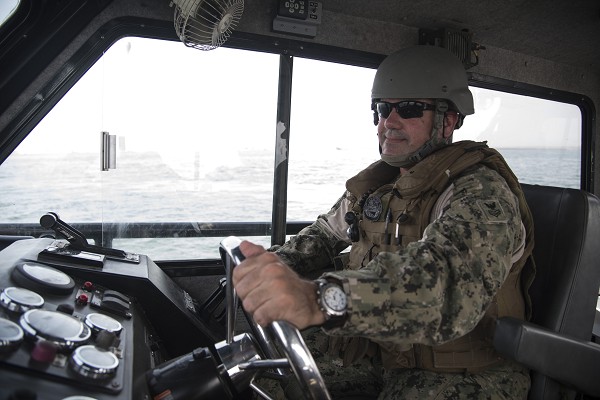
(65, 308)
(105, 340)
(350, 217)
(48, 220)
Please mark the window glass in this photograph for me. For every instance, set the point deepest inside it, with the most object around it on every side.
(194, 134)
(540, 139)
(7, 9)
(332, 136)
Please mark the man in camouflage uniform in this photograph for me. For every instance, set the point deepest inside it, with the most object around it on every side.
(440, 233)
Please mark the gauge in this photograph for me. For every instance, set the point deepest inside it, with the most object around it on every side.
(79, 398)
(100, 322)
(93, 362)
(42, 278)
(11, 335)
(19, 300)
(64, 330)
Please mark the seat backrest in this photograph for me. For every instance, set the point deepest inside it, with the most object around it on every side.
(567, 257)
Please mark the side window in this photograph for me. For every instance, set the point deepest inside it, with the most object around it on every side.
(194, 137)
(540, 139)
(332, 136)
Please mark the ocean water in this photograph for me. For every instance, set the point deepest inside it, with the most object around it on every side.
(146, 188)
(552, 167)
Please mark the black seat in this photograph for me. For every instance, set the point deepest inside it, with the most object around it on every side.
(556, 344)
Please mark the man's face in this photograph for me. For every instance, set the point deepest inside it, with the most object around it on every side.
(403, 136)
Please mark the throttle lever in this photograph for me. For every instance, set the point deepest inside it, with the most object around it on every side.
(50, 220)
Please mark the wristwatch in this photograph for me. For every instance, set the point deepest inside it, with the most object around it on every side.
(333, 302)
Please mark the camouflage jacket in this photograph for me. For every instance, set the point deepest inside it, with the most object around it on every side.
(436, 286)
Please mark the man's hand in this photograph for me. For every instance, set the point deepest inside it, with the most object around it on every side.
(272, 291)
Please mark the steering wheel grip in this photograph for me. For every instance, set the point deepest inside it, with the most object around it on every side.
(286, 335)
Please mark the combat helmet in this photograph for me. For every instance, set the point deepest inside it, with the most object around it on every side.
(424, 72)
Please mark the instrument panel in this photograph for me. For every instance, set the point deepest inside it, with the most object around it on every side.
(83, 327)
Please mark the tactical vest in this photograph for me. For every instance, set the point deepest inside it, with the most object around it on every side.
(397, 213)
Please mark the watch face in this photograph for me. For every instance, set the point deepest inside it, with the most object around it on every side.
(335, 298)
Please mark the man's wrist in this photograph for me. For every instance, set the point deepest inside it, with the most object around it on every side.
(332, 302)
(319, 313)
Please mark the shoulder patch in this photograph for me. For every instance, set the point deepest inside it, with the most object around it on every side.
(492, 210)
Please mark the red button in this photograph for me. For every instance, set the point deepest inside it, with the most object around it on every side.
(83, 298)
(88, 285)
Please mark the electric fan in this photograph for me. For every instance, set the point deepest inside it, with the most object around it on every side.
(206, 24)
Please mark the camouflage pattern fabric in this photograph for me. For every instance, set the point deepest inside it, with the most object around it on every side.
(435, 289)
(316, 246)
(503, 382)
(367, 379)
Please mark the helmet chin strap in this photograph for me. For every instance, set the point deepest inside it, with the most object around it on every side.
(435, 142)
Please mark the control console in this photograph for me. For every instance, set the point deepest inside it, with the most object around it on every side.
(80, 324)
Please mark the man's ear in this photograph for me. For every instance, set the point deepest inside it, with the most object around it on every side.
(450, 120)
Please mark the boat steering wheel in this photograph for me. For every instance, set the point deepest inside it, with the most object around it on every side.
(278, 335)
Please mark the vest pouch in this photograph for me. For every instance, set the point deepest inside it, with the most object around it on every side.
(390, 232)
(509, 302)
(376, 225)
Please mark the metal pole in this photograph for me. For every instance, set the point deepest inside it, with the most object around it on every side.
(284, 100)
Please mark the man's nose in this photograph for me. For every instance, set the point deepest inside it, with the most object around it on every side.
(393, 121)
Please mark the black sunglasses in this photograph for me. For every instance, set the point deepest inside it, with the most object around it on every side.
(405, 109)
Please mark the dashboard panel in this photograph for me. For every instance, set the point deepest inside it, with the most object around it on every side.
(80, 325)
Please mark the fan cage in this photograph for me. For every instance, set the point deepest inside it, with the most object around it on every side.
(206, 24)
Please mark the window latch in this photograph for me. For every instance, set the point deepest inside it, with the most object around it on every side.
(108, 156)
